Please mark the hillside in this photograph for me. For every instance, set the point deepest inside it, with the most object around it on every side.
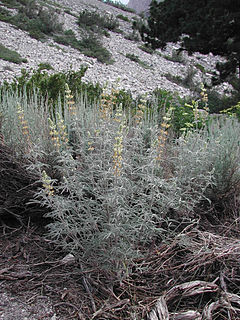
(139, 6)
(132, 66)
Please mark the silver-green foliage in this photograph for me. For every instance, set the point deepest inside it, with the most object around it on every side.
(224, 142)
(114, 194)
(216, 149)
(104, 216)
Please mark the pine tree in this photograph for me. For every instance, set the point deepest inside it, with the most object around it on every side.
(202, 26)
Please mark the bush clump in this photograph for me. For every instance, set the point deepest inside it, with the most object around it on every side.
(38, 21)
(51, 88)
(88, 45)
(122, 17)
(10, 55)
(129, 182)
(126, 187)
(93, 21)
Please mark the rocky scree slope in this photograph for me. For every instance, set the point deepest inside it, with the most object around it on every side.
(141, 77)
(139, 5)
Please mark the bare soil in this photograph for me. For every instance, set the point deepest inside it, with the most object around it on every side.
(34, 283)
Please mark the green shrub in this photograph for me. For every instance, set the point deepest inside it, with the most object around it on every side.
(186, 81)
(89, 46)
(118, 5)
(218, 102)
(12, 4)
(10, 55)
(135, 58)
(115, 197)
(232, 111)
(122, 17)
(138, 24)
(52, 87)
(146, 49)
(92, 47)
(184, 111)
(176, 56)
(38, 21)
(45, 66)
(200, 67)
(68, 11)
(4, 14)
(132, 36)
(95, 22)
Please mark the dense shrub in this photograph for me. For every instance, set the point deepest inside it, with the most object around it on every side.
(115, 181)
(135, 58)
(45, 66)
(95, 22)
(146, 49)
(92, 47)
(122, 17)
(38, 21)
(4, 14)
(10, 55)
(88, 45)
(120, 194)
(117, 193)
(220, 144)
(176, 56)
(51, 87)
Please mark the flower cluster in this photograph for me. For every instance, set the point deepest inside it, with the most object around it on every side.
(24, 123)
(118, 146)
(162, 137)
(108, 100)
(47, 184)
(62, 130)
(140, 111)
(58, 132)
(204, 95)
(90, 142)
(69, 100)
(54, 134)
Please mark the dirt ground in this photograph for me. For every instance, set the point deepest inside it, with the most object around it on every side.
(35, 283)
(196, 276)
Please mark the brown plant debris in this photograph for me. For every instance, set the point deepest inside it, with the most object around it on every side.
(191, 277)
(17, 187)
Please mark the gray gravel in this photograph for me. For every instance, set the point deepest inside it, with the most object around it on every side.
(129, 75)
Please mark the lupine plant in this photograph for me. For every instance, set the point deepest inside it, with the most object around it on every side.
(115, 181)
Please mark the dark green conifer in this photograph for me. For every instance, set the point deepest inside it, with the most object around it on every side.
(202, 26)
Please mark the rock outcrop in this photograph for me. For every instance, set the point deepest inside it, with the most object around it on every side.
(139, 5)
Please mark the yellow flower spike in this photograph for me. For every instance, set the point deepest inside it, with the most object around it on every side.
(163, 132)
(47, 184)
(69, 101)
(165, 125)
(118, 146)
(61, 134)
(24, 125)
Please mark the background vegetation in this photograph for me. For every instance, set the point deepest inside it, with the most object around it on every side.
(10, 55)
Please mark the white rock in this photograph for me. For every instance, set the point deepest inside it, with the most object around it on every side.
(132, 75)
